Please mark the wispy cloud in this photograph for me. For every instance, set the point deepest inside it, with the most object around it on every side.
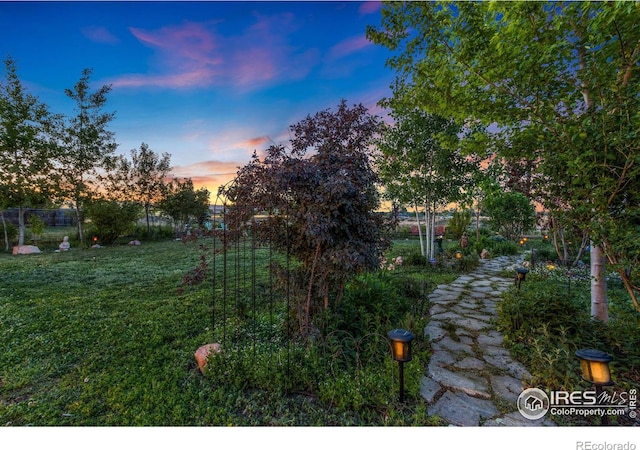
(348, 47)
(187, 56)
(195, 55)
(207, 168)
(194, 78)
(99, 34)
(256, 142)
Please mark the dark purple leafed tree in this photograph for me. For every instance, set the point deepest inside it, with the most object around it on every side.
(320, 198)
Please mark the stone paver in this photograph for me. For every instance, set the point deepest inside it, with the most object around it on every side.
(470, 373)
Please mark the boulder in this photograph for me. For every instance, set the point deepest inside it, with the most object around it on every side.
(203, 353)
(136, 242)
(25, 249)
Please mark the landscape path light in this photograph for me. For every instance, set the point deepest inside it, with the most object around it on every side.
(521, 275)
(595, 366)
(401, 352)
(595, 370)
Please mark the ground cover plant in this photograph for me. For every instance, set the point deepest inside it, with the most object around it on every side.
(101, 337)
(548, 320)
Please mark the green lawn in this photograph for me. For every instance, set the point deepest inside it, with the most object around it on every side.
(102, 337)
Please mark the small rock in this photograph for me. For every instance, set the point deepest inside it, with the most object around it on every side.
(25, 249)
(136, 242)
(203, 353)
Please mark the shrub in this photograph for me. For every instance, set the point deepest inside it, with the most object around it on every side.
(544, 326)
(415, 258)
(36, 226)
(496, 245)
(157, 233)
(111, 219)
(459, 223)
(468, 262)
(369, 301)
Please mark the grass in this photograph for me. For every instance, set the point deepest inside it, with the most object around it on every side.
(102, 337)
(95, 337)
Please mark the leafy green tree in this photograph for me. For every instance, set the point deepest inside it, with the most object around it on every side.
(510, 213)
(149, 171)
(420, 164)
(111, 219)
(460, 221)
(183, 203)
(85, 144)
(320, 197)
(25, 155)
(37, 227)
(561, 78)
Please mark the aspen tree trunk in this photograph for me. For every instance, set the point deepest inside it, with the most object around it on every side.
(599, 303)
(419, 230)
(20, 226)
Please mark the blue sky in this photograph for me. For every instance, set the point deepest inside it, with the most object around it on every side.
(207, 82)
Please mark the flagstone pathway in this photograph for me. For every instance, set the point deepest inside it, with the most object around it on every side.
(471, 378)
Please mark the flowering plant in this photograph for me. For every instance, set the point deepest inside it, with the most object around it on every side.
(385, 265)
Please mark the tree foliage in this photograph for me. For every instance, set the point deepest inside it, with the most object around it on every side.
(460, 221)
(421, 164)
(183, 203)
(559, 82)
(320, 197)
(148, 173)
(25, 155)
(510, 213)
(111, 219)
(85, 144)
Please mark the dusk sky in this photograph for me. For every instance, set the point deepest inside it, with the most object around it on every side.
(207, 82)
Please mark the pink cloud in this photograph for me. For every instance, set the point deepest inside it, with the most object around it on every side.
(208, 174)
(263, 53)
(201, 77)
(191, 43)
(99, 34)
(369, 7)
(207, 168)
(349, 46)
(255, 65)
(187, 56)
(255, 142)
(193, 55)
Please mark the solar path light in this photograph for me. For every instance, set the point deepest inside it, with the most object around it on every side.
(401, 352)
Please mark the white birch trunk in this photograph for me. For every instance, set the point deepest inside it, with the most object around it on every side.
(599, 303)
(419, 230)
(427, 231)
(20, 226)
